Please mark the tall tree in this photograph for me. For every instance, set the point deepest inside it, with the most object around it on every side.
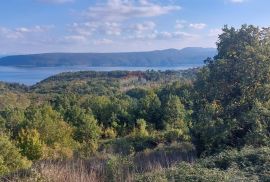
(174, 114)
(230, 85)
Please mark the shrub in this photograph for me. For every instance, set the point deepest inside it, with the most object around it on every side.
(118, 168)
(87, 150)
(30, 144)
(55, 133)
(140, 130)
(186, 172)
(173, 135)
(110, 133)
(10, 158)
(253, 161)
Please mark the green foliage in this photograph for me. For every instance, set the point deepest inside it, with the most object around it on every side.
(118, 168)
(87, 149)
(228, 89)
(12, 87)
(110, 133)
(187, 172)
(252, 161)
(174, 114)
(151, 115)
(149, 108)
(30, 144)
(10, 158)
(130, 144)
(181, 88)
(102, 108)
(258, 118)
(55, 133)
(140, 130)
(13, 100)
(86, 125)
(174, 135)
(13, 118)
(137, 93)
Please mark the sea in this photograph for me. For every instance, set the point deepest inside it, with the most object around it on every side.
(32, 75)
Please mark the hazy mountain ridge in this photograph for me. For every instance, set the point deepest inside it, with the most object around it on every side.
(168, 57)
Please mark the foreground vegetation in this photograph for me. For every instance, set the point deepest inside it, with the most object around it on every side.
(208, 124)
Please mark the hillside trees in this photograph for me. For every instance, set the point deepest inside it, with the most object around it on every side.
(149, 109)
(30, 144)
(232, 91)
(174, 114)
(10, 158)
(54, 132)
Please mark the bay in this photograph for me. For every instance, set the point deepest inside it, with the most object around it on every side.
(33, 75)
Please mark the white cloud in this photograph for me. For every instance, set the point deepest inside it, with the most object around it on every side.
(105, 21)
(103, 42)
(103, 28)
(23, 32)
(118, 10)
(180, 24)
(34, 29)
(198, 26)
(215, 32)
(141, 28)
(237, 1)
(163, 35)
(84, 29)
(28, 39)
(75, 38)
(6, 33)
(56, 1)
(111, 28)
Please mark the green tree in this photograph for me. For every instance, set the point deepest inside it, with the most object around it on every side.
(229, 86)
(140, 129)
(102, 109)
(149, 108)
(54, 132)
(86, 126)
(174, 114)
(13, 120)
(10, 158)
(30, 144)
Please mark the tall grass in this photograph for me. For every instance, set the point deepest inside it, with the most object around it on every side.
(110, 168)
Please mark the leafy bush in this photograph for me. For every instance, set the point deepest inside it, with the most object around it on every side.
(140, 130)
(110, 133)
(55, 133)
(30, 144)
(118, 168)
(186, 172)
(173, 135)
(10, 158)
(253, 161)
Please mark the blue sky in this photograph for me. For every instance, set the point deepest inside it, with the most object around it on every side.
(36, 26)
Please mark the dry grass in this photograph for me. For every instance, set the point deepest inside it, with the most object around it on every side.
(114, 168)
(60, 171)
(69, 172)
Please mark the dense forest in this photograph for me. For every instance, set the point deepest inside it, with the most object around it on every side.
(205, 124)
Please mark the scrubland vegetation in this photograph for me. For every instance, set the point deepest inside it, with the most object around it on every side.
(207, 124)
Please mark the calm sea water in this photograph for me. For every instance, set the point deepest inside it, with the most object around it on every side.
(30, 76)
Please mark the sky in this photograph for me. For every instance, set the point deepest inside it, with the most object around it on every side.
(39, 26)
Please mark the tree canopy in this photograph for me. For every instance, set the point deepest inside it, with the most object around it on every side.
(232, 88)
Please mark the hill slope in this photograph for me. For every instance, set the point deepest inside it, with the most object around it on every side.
(168, 57)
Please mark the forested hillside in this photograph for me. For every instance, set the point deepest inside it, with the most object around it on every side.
(207, 124)
(169, 57)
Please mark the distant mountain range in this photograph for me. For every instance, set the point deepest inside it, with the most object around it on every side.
(168, 58)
